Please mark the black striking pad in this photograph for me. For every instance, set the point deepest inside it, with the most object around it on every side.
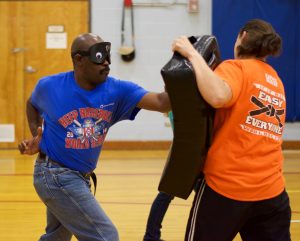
(193, 119)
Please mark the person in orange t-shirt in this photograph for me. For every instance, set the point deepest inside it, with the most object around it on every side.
(243, 190)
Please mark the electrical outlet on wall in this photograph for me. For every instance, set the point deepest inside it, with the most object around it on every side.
(193, 6)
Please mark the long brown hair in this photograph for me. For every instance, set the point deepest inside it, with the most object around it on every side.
(260, 41)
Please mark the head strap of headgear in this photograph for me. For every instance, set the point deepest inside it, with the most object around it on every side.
(97, 53)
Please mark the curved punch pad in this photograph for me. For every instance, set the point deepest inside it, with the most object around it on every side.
(193, 119)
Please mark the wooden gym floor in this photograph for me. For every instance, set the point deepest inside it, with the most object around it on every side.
(128, 183)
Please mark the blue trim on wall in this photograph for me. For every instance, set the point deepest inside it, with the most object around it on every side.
(230, 15)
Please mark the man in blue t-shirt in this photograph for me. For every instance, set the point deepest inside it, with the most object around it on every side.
(76, 110)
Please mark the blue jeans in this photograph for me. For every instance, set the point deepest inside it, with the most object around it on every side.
(71, 207)
(158, 210)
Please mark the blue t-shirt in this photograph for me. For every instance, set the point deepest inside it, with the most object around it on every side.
(76, 121)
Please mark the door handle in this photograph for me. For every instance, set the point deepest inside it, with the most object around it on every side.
(18, 50)
(29, 69)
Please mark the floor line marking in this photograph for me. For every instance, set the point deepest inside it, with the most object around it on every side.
(295, 221)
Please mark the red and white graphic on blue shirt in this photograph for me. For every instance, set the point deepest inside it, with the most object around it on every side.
(89, 129)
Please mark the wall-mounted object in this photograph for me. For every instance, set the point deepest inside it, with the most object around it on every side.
(127, 52)
(7, 132)
(193, 6)
(56, 40)
(56, 28)
(158, 3)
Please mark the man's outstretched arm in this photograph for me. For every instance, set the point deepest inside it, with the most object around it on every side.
(155, 102)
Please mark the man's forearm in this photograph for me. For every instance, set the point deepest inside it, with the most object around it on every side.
(33, 117)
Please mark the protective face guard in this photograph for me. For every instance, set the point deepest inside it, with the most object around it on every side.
(97, 53)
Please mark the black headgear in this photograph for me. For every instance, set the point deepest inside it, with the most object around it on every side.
(97, 53)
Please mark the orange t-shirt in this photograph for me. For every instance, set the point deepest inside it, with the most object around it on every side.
(245, 159)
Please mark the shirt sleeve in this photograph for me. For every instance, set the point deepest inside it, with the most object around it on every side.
(130, 96)
(231, 72)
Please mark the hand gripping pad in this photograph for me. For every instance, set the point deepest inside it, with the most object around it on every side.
(193, 120)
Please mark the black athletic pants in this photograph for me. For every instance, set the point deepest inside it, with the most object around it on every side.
(214, 217)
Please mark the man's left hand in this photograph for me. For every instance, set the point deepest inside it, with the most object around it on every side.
(31, 147)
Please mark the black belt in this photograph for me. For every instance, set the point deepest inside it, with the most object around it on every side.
(42, 159)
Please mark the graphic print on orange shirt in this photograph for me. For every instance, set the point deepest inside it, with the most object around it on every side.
(268, 108)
